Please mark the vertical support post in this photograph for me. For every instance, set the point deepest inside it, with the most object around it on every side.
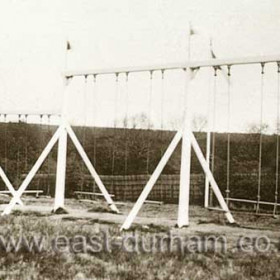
(208, 151)
(184, 192)
(62, 146)
(208, 133)
(61, 170)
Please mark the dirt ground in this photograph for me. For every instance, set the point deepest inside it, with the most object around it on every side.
(90, 217)
(202, 221)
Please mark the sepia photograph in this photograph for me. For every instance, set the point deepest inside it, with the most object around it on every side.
(139, 139)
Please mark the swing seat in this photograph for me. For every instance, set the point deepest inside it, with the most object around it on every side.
(80, 194)
(36, 192)
(153, 202)
(216, 209)
(253, 201)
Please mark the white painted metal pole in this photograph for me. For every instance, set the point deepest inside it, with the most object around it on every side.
(208, 133)
(208, 151)
(147, 189)
(91, 168)
(9, 185)
(61, 170)
(177, 65)
(185, 171)
(184, 192)
(211, 179)
(32, 172)
(62, 146)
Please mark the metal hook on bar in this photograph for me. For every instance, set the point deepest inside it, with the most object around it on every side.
(229, 68)
(278, 65)
(151, 74)
(215, 70)
(117, 76)
(262, 65)
(162, 73)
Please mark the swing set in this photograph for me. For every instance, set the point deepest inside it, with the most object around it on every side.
(183, 134)
(258, 202)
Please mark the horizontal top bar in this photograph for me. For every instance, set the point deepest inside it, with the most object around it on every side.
(29, 113)
(173, 66)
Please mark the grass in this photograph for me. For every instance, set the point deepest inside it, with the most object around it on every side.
(125, 265)
(100, 209)
(151, 228)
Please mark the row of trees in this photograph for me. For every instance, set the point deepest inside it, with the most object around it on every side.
(126, 151)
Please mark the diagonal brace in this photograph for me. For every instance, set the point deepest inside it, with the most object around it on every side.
(9, 185)
(32, 172)
(90, 167)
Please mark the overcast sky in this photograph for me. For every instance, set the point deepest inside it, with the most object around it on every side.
(105, 34)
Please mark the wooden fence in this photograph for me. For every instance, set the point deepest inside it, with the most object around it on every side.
(128, 188)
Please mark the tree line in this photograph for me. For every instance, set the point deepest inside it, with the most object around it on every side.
(130, 152)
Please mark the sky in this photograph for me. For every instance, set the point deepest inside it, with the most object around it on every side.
(125, 33)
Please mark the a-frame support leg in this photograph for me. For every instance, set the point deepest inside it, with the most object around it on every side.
(61, 136)
(147, 189)
(9, 185)
(210, 177)
(32, 172)
(90, 167)
(149, 186)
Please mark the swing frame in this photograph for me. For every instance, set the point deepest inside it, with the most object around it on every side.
(185, 133)
(187, 136)
(257, 202)
(60, 136)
